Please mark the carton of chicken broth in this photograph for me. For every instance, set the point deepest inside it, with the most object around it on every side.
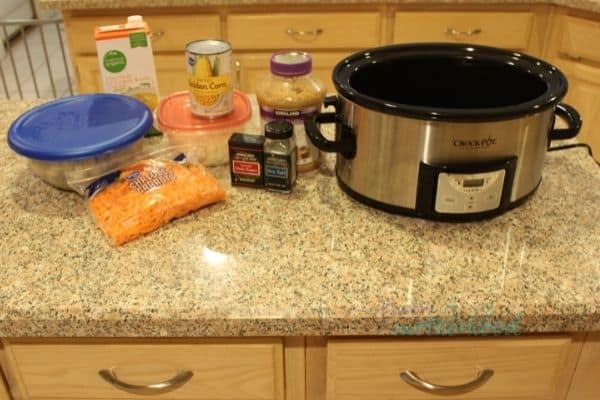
(126, 61)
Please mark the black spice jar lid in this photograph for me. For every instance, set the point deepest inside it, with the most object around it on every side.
(279, 129)
(246, 140)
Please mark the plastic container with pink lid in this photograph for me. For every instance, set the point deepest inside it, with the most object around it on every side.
(207, 138)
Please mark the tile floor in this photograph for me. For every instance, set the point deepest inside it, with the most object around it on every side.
(51, 75)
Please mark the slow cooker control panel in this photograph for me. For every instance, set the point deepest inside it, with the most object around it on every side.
(469, 193)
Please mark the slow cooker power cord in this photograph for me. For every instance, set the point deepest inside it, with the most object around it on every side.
(571, 146)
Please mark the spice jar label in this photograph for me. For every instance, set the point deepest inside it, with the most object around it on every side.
(246, 167)
(280, 171)
(246, 159)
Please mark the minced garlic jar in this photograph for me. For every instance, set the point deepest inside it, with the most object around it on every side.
(292, 93)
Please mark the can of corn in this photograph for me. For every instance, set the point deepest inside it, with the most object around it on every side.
(209, 77)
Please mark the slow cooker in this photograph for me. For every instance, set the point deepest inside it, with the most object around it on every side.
(443, 131)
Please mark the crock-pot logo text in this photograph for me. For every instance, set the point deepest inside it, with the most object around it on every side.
(475, 143)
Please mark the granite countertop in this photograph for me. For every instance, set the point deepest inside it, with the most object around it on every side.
(588, 5)
(311, 263)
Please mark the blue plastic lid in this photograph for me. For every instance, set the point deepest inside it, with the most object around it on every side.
(79, 127)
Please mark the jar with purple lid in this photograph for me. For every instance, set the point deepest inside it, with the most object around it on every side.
(291, 93)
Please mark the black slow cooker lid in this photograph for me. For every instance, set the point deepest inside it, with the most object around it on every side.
(449, 82)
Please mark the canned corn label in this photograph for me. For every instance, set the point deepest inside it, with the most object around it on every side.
(209, 77)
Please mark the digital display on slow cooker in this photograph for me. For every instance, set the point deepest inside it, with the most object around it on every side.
(473, 182)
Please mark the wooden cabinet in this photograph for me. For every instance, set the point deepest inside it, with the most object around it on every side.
(575, 50)
(579, 38)
(4, 383)
(170, 33)
(227, 369)
(529, 367)
(328, 32)
(254, 36)
(511, 30)
(329, 36)
(586, 382)
(584, 95)
(4, 394)
(325, 30)
(522, 368)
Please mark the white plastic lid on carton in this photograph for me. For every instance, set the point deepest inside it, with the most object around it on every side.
(135, 21)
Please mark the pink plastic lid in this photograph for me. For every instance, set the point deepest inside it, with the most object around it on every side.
(174, 113)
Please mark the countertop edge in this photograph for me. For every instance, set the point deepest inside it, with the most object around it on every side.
(585, 5)
(269, 327)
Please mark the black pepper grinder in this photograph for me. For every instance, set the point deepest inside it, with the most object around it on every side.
(280, 156)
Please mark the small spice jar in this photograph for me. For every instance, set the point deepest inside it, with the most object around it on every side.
(246, 160)
(291, 93)
(279, 156)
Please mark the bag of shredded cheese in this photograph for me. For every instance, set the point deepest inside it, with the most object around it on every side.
(148, 194)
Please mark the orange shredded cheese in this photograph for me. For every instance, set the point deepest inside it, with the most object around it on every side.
(149, 194)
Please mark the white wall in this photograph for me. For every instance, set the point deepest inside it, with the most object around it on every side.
(14, 9)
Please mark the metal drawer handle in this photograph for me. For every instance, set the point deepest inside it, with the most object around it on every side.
(413, 379)
(157, 388)
(454, 32)
(157, 35)
(310, 35)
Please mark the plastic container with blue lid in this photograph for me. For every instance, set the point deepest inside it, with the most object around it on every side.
(79, 132)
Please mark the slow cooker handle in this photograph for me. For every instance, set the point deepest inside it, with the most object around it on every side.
(345, 142)
(573, 120)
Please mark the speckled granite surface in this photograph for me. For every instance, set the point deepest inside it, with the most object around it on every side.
(311, 263)
(589, 5)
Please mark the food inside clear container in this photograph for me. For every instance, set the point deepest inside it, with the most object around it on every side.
(79, 132)
(290, 92)
(206, 138)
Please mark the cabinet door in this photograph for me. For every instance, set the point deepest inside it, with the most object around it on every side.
(4, 395)
(323, 30)
(521, 368)
(586, 384)
(511, 30)
(584, 95)
(88, 74)
(251, 67)
(171, 32)
(579, 37)
(170, 70)
(182, 369)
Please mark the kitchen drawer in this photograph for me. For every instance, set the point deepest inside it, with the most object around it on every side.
(252, 67)
(510, 30)
(222, 368)
(304, 30)
(585, 383)
(580, 38)
(171, 32)
(170, 72)
(584, 95)
(4, 395)
(524, 368)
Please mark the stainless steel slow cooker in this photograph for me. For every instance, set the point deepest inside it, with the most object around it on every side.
(443, 131)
